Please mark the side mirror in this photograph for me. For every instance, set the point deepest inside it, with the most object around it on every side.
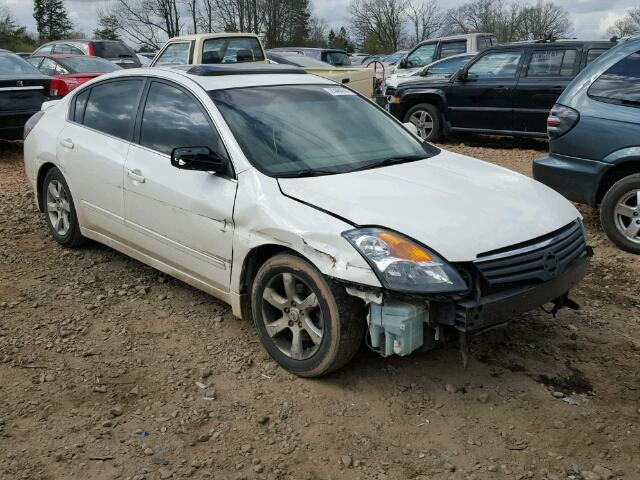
(403, 63)
(411, 127)
(463, 74)
(198, 158)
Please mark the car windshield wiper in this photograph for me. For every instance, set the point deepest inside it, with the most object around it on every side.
(390, 161)
(308, 172)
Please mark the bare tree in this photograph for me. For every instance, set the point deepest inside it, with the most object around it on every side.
(425, 18)
(192, 7)
(317, 36)
(544, 19)
(626, 26)
(382, 20)
(148, 22)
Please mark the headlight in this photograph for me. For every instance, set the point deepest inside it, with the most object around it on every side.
(402, 265)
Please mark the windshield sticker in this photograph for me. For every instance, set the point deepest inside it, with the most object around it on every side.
(337, 91)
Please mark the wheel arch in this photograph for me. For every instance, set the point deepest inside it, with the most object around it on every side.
(616, 173)
(42, 173)
(411, 99)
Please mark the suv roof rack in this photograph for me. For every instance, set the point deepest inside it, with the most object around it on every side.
(235, 69)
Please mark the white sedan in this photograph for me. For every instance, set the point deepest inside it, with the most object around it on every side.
(301, 204)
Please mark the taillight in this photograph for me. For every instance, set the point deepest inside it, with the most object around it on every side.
(89, 50)
(58, 88)
(32, 123)
(561, 120)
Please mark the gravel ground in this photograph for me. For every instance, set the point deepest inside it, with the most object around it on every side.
(110, 370)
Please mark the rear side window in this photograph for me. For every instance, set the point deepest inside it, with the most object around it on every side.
(448, 49)
(232, 50)
(44, 50)
(620, 84)
(172, 119)
(176, 54)
(48, 67)
(594, 53)
(112, 106)
(79, 104)
(552, 63)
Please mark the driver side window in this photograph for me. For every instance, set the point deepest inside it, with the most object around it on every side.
(422, 56)
(496, 65)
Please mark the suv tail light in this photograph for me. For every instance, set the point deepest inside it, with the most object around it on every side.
(89, 50)
(33, 119)
(561, 120)
(58, 88)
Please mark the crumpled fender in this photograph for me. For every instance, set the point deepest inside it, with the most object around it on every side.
(265, 216)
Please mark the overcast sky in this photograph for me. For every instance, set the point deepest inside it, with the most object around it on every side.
(590, 17)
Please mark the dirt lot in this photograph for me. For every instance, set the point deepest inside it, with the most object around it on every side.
(100, 355)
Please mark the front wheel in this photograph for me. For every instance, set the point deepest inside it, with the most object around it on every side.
(307, 325)
(427, 119)
(620, 213)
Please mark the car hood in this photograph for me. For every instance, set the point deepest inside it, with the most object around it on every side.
(456, 205)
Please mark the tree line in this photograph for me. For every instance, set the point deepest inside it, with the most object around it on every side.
(374, 26)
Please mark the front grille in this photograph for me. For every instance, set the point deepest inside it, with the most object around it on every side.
(541, 259)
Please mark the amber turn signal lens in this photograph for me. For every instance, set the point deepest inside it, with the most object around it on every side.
(401, 248)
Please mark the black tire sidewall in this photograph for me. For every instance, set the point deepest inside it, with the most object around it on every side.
(436, 115)
(316, 363)
(607, 212)
(73, 235)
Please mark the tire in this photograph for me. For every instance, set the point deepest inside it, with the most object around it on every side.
(329, 322)
(620, 213)
(60, 211)
(420, 115)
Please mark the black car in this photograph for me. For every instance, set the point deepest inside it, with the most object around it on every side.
(22, 90)
(505, 90)
(115, 51)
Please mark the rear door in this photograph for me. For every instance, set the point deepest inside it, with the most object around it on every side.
(484, 100)
(92, 149)
(547, 72)
(182, 218)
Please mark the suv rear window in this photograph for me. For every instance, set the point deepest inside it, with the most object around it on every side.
(111, 49)
(619, 84)
(232, 50)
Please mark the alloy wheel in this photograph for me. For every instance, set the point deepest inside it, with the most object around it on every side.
(627, 215)
(292, 316)
(58, 207)
(423, 122)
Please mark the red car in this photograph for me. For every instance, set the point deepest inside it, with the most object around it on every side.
(70, 71)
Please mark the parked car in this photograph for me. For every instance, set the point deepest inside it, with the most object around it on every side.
(594, 132)
(334, 56)
(70, 71)
(293, 199)
(505, 90)
(22, 90)
(362, 80)
(429, 51)
(211, 48)
(115, 51)
(438, 70)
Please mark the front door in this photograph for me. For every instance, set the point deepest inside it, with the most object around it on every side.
(181, 218)
(547, 73)
(483, 101)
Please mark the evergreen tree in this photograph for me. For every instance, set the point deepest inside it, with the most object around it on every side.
(108, 27)
(52, 19)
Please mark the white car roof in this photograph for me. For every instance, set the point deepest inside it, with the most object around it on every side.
(222, 81)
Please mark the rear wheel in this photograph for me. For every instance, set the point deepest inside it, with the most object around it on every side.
(620, 213)
(60, 211)
(427, 119)
(307, 325)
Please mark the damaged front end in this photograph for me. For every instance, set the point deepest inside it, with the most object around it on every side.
(503, 284)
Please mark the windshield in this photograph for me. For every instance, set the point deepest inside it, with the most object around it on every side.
(338, 59)
(295, 130)
(395, 57)
(448, 66)
(10, 64)
(88, 65)
(298, 60)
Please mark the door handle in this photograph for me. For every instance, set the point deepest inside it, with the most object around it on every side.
(136, 175)
(67, 143)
